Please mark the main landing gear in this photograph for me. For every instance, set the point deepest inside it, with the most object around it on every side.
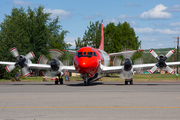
(130, 81)
(86, 82)
(60, 80)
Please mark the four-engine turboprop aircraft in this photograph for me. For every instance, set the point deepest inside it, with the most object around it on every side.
(91, 63)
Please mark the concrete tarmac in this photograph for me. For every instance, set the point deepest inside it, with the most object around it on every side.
(99, 101)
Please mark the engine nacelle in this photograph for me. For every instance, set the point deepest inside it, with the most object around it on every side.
(127, 64)
(56, 65)
(161, 61)
(23, 61)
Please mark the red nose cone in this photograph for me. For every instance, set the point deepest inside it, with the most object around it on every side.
(86, 65)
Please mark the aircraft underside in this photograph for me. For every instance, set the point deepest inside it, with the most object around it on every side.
(87, 79)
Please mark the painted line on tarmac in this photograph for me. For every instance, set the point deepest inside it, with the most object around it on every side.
(17, 97)
(90, 107)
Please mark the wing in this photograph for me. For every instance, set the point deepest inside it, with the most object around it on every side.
(69, 68)
(152, 64)
(48, 67)
(125, 52)
(116, 69)
(70, 51)
(7, 63)
(42, 66)
(110, 69)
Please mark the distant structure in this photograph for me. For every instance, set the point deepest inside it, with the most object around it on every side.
(177, 50)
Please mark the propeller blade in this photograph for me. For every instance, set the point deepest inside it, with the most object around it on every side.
(54, 53)
(153, 53)
(30, 55)
(25, 72)
(126, 75)
(137, 62)
(117, 61)
(14, 52)
(153, 69)
(169, 70)
(9, 68)
(53, 76)
(169, 53)
(47, 74)
(43, 59)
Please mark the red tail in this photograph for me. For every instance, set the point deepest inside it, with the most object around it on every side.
(101, 47)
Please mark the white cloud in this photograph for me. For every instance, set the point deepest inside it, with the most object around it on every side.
(144, 30)
(174, 24)
(175, 8)
(71, 40)
(96, 15)
(133, 23)
(156, 13)
(58, 12)
(160, 45)
(112, 20)
(22, 3)
(127, 17)
(156, 31)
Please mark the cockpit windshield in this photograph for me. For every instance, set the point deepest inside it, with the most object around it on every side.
(86, 54)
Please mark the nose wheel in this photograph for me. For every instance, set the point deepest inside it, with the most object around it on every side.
(60, 80)
(86, 82)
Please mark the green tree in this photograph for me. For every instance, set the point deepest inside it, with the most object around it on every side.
(116, 37)
(30, 30)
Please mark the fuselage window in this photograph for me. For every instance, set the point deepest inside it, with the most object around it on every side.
(76, 54)
(95, 54)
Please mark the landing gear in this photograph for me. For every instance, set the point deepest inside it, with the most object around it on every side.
(130, 81)
(60, 80)
(126, 82)
(86, 82)
(56, 82)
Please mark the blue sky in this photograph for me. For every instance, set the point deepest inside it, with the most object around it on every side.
(156, 22)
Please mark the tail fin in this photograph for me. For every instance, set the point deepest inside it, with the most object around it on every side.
(101, 47)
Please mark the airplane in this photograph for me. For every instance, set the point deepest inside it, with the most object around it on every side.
(90, 62)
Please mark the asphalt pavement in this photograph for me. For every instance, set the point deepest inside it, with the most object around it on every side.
(98, 101)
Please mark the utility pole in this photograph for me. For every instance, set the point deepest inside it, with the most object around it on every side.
(177, 50)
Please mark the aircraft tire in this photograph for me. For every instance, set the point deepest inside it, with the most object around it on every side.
(86, 83)
(61, 80)
(131, 82)
(126, 82)
(56, 82)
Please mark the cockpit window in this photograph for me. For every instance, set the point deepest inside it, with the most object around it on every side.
(89, 54)
(79, 54)
(86, 54)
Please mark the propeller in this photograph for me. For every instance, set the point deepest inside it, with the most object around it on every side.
(22, 61)
(161, 61)
(55, 63)
(127, 72)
